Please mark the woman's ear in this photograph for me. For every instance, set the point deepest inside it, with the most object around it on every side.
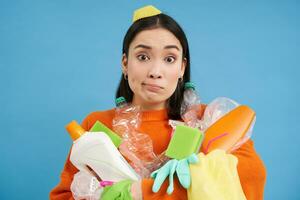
(124, 63)
(183, 65)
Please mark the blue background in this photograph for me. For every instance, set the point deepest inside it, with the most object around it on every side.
(60, 60)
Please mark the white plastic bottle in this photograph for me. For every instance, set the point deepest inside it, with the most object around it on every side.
(190, 105)
(95, 150)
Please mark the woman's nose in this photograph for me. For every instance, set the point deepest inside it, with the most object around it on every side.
(155, 76)
(155, 71)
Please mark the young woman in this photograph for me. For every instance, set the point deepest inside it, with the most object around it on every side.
(155, 65)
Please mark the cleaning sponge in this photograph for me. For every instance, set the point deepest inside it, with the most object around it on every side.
(185, 141)
(100, 127)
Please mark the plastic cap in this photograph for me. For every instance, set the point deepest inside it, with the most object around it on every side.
(188, 85)
(75, 130)
(120, 100)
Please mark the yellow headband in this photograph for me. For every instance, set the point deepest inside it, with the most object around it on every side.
(143, 12)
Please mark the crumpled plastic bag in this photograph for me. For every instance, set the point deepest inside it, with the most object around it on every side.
(215, 177)
(85, 186)
(215, 110)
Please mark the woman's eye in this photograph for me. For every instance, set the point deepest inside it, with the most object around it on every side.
(143, 57)
(170, 59)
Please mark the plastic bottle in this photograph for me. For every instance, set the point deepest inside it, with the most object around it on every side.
(127, 118)
(190, 105)
(95, 151)
(136, 147)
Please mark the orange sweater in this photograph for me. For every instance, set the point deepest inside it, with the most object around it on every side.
(155, 123)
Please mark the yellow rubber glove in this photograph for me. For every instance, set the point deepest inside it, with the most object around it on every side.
(215, 177)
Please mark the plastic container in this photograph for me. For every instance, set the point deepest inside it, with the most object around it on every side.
(226, 125)
(95, 151)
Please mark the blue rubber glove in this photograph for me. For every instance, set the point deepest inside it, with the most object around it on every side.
(161, 174)
(183, 170)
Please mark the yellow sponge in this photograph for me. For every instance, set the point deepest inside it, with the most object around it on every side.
(146, 11)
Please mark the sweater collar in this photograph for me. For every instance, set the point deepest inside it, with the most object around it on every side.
(154, 115)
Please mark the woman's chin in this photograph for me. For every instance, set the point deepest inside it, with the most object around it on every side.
(153, 98)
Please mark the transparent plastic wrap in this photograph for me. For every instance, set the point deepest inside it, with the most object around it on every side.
(136, 147)
(85, 186)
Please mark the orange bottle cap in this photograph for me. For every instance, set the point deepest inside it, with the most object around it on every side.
(75, 130)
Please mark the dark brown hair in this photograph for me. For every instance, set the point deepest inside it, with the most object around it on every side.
(168, 23)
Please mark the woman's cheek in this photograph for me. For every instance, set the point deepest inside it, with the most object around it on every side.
(133, 84)
(173, 79)
(135, 81)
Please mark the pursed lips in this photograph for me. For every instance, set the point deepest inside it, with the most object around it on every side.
(152, 87)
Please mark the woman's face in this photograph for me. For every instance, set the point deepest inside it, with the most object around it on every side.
(153, 65)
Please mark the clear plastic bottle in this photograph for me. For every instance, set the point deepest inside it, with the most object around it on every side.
(136, 147)
(127, 118)
(190, 105)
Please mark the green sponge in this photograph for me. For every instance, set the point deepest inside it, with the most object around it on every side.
(185, 141)
(98, 126)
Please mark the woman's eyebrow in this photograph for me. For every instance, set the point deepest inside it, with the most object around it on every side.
(142, 46)
(149, 47)
(171, 47)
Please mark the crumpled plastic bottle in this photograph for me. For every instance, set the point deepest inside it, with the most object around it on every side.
(190, 105)
(85, 186)
(127, 118)
(136, 147)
